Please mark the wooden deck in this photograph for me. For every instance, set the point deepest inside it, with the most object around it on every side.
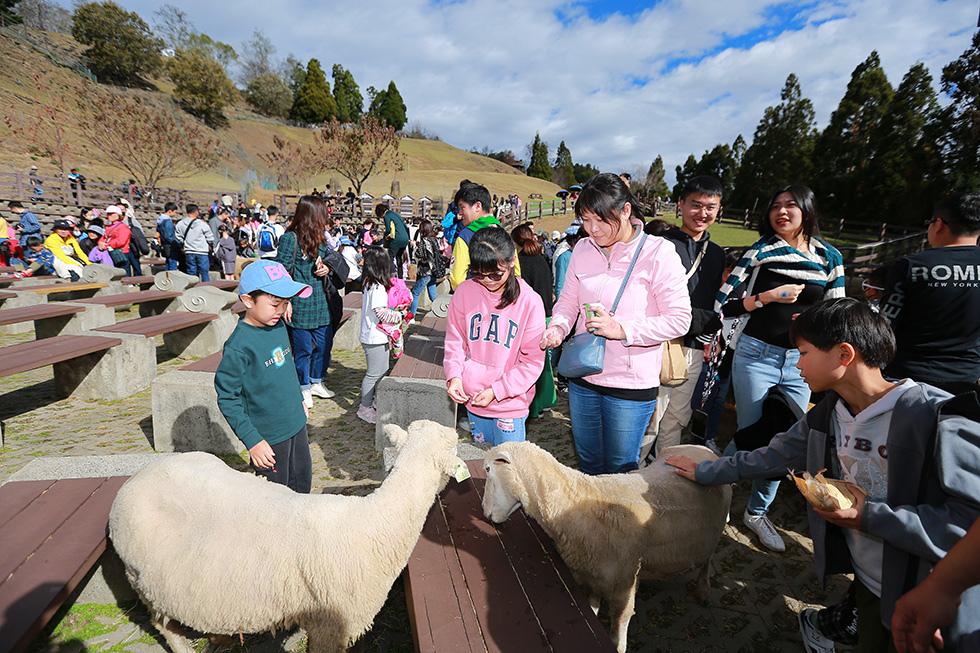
(476, 587)
(51, 534)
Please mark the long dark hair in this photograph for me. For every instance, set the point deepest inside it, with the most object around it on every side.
(491, 248)
(606, 196)
(309, 223)
(425, 229)
(376, 268)
(523, 236)
(805, 199)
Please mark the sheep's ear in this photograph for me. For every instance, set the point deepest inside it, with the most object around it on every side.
(396, 435)
(500, 457)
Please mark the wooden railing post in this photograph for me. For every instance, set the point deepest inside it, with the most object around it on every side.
(840, 228)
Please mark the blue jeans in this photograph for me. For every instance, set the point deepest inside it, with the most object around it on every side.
(134, 263)
(311, 353)
(420, 283)
(607, 431)
(197, 265)
(172, 264)
(714, 405)
(495, 431)
(757, 367)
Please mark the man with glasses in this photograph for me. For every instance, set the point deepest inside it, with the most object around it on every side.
(933, 301)
(704, 261)
(473, 208)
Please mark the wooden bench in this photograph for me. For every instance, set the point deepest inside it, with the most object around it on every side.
(156, 325)
(138, 281)
(58, 318)
(152, 302)
(25, 356)
(52, 533)
(77, 289)
(473, 586)
(9, 279)
(416, 387)
(221, 284)
(7, 295)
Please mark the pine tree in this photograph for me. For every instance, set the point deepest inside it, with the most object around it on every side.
(122, 48)
(313, 102)
(538, 154)
(656, 178)
(781, 148)
(564, 170)
(350, 104)
(905, 175)
(684, 175)
(961, 119)
(388, 106)
(844, 148)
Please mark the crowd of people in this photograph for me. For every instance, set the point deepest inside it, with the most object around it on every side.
(882, 392)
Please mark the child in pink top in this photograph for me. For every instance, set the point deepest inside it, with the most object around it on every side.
(399, 301)
(492, 357)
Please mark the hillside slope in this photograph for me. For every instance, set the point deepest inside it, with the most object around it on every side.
(433, 168)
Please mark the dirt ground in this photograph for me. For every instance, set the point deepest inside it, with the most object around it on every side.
(755, 593)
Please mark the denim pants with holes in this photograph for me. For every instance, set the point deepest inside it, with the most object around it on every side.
(757, 367)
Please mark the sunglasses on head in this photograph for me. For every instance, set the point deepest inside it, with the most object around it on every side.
(492, 276)
(865, 285)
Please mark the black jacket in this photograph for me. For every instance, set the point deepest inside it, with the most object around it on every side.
(704, 284)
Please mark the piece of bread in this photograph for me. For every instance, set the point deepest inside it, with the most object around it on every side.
(824, 493)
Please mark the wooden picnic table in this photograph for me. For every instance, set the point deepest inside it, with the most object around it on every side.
(51, 534)
(478, 587)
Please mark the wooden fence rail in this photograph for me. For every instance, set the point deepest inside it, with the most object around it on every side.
(60, 191)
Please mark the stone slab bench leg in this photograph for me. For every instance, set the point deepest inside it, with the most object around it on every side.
(186, 415)
(92, 317)
(401, 401)
(203, 340)
(348, 336)
(159, 307)
(22, 299)
(116, 373)
(442, 288)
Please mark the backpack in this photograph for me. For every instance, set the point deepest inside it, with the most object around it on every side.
(137, 239)
(267, 239)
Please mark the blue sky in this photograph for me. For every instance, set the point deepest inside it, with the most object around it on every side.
(619, 81)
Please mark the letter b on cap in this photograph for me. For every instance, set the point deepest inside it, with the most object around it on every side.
(275, 272)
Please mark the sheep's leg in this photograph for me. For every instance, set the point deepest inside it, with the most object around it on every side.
(173, 633)
(620, 611)
(702, 590)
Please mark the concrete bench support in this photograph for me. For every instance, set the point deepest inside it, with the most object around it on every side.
(202, 340)
(186, 415)
(401, 401)
(22, 299)
(116, 373)
(93, 316)
(348, 336)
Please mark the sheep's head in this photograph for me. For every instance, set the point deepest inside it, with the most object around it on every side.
(434, 441)
(499, 498)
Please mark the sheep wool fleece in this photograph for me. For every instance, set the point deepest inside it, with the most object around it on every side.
(258, 391)
(498, 348)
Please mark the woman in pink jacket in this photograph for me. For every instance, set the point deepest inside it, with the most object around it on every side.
(494, 325)
(611, 409)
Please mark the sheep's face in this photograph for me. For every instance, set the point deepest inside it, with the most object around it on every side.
(499, 502)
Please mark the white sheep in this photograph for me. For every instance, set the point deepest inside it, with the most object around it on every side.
(614, 528)
(225, 552)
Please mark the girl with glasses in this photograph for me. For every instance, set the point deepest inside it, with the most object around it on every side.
(492, 357)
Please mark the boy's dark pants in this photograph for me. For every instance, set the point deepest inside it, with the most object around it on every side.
(294, 467)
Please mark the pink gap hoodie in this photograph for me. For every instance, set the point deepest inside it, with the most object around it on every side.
(495, 348)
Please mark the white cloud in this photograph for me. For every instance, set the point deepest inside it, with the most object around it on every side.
(492, 73)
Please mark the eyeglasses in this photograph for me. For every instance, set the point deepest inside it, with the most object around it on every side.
(865, 285)
(710, 209)
(929, 221)
(492, 276)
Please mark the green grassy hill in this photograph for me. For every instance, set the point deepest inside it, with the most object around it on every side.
(433, 168)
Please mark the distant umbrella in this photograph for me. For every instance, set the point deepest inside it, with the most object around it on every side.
(562, 194)
(575, 187)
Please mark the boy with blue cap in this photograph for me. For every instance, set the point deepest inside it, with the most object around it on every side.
(258, 391)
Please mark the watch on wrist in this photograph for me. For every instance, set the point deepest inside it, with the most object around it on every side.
(758, 302)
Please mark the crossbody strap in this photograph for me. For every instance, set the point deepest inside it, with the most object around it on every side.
(628, 272)
(697, 262)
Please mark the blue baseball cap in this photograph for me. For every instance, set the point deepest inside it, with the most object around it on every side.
(271, 277)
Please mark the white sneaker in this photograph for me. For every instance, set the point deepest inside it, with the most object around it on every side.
(308, 399)
(813, 640)
(318, 390)
(761, 526)
(367, 414)
(464, 424)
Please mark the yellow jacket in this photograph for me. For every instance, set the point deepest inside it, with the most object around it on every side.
(55, 243)
(5, 229)
(459, 266)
